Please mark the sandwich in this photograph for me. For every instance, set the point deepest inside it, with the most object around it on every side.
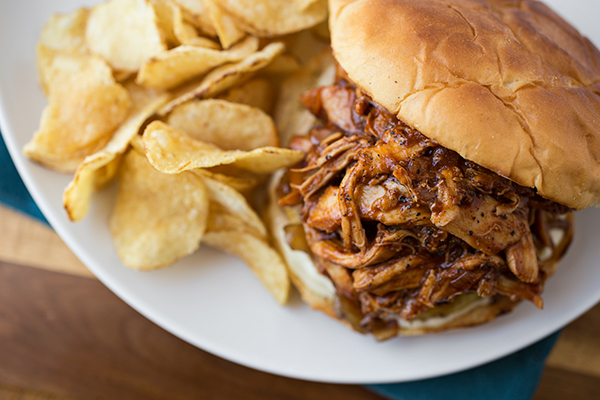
(440, 181)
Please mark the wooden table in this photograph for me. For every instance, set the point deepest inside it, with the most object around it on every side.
(63, 335)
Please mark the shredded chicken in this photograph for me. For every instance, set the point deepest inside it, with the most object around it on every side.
(401, 224)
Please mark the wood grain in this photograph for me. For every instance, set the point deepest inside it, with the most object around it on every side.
(27, 242)
(578, 349)
(65, 336)
(71, 336)
(11, 393)
(560, 384)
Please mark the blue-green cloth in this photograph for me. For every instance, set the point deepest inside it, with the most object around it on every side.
(13, 192)
(514, 377)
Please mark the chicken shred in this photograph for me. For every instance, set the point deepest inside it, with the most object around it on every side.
(401, 224)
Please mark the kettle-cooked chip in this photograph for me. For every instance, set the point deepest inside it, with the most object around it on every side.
(291, 117)
(170, 68)
(304, 4)
(284, 64)
(62, 33)
(157, 218)
(195, 13)
(165, 13)
(257, 93)
(224, 77)
(275, 17)
(78, 194)
(85, 106)
(122, 76)
(125, 33)
(322, 31)
(256, 252)
(44, 57)
(304, 46)
(106, 174)
(227, 29)
(172, 151)
(188, 181)
(187, 34)
(232, 202)
(243, 183)
(65, 31)
(228, 125)
(141, 96)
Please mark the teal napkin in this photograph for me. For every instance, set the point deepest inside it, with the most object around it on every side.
(514, 377)
(13, 192)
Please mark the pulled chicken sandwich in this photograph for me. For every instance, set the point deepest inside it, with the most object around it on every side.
(439, 183)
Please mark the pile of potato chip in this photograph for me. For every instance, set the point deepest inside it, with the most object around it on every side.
(187, 102)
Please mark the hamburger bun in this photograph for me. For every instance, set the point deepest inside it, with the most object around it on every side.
(506, 84)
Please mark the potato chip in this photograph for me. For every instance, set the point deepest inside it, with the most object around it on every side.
(78, 194)
(122, 76)
(85, 106)
(62, 33)
(226, 76)
(144, 102)
(284, 64)
(141, 96)
(195, 13)
(305, 46)
(165, 13)
(232, 202)
(228, 125)
(183, 63)
(197, 178)
(227, 30)
(125, 33)
(106, 174)
(137, 144)
(263, 260)
(220, 219)
(44, 57)
(257, 93)
(187, 34)
(322, 31)
(65, 32)
(304, 4)
(172, 151)
(291, 117)
(268, 18)
(243, 183)
(54, 65)
(157, 218)
(231, 170)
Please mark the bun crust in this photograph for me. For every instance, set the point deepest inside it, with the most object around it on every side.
(507, 84)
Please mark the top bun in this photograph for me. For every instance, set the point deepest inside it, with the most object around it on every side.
(507, 84)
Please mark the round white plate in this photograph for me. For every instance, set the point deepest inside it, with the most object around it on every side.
(214, 302)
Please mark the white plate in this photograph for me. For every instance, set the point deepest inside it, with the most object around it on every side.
(212, 301)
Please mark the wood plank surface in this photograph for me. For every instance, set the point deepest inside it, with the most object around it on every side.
(70, 336)
(27, 242)
(578, 349)
(65, 336)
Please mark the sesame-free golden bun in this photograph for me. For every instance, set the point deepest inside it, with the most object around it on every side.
(507, 84)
